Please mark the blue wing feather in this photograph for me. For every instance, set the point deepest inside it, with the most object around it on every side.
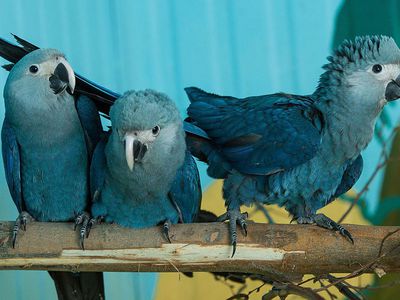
(259, 135)
(12, 164)
(350, 176)
(185, 191)
(90, 121)
(192, 129)
(98, 167)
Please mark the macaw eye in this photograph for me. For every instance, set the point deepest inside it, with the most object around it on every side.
(33, 69)
(376, 69)
(156, 130)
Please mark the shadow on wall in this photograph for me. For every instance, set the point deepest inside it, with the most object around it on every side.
(367, 17)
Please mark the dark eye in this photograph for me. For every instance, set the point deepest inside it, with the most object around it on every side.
(156, 130)
(33, 69)
(376, 69)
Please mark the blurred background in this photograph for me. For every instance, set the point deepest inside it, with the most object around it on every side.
(239, 48)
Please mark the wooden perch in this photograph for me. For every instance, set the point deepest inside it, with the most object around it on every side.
(281, 251)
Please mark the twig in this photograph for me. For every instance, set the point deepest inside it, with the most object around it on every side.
(239, 297)
(343, 288)
(384, 239)
(360, 270)
(257, 289)
(308, 280)
(332, 296)
(382, 286)
(265, 212)
(283, 290)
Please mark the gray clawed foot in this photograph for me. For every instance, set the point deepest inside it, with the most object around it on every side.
(166, 226)
(91, 223)
(82, 219)
(234, 217)
(86, 223)
(23, 219)
(323, 221)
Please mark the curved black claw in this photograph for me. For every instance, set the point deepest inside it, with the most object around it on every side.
(80, 218)
(166, 227)
(23, 219)
(325, 222)
(234, 217)
(92, 222)
(86, 222)
(87, 225)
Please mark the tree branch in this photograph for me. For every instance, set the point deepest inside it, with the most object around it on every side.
(282, 252)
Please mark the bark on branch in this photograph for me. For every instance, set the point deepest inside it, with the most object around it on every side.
(280, 251)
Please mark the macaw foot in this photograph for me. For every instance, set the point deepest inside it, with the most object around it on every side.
(323, 221)
(86, 222)
(234, 216)
(165, 229)
(23, 219)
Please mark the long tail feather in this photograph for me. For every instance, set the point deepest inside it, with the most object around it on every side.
(79, 286)
(13, 53)
(103, 97)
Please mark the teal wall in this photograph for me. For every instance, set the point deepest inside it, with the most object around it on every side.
(230, 47)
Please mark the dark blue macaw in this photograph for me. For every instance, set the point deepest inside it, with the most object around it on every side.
(300, 152)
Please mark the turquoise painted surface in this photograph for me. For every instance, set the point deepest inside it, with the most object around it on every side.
(230, 47)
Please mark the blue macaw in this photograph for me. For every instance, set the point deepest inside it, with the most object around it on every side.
(300, 152)
(48, 137)
(141, 173)
(104, 99)
(184, 194)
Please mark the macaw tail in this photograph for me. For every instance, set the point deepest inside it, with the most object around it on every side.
(205, 115)
(79, 286)
(103, 97)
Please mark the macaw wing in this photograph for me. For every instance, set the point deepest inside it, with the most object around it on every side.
(185, 192)
(90, 121)
(259, 135)
(12, 164)
(350, 176)
(98, 167)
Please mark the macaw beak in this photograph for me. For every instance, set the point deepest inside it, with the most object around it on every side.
(393, 90)
(134, 149)
(62, 78)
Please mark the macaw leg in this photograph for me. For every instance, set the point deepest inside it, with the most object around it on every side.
(82, 219)
(323, 221)
(92, 222)
(23, 219)
(86, 222)
(234, 216)
(165, 229)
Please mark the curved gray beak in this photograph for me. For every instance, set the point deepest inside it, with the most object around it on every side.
(62, 78)
(134, 150)
(393, 90)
